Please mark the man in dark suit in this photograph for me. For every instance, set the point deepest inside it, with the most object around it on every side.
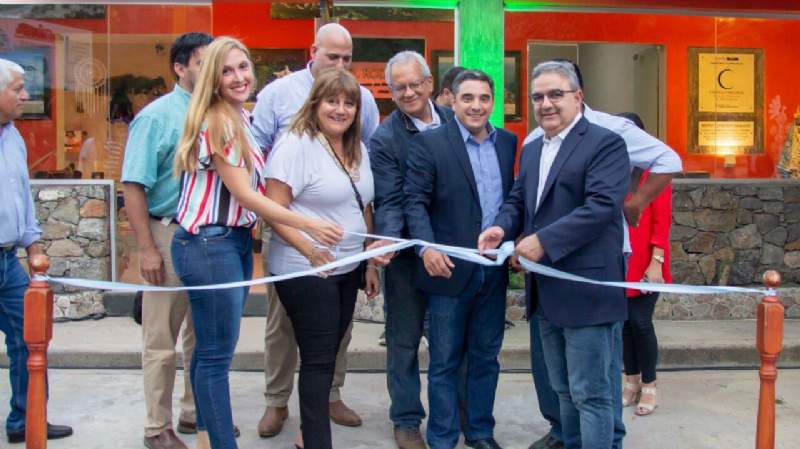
(411, 83)
(458, 176)
(567, 202)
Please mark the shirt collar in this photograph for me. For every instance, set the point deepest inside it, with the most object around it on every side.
(182, 92)
(306, 74)
(435, 121)
(563, 134)
(466, 135)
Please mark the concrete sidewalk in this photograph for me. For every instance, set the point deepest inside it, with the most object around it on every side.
(116, 343)
(697, 410)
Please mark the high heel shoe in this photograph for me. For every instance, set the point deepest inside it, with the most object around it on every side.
(646, 408)
(631, 394)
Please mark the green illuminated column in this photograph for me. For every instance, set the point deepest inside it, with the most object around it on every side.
(480, 44)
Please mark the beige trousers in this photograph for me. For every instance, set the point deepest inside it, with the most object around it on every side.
(280, 348)
(162, 316)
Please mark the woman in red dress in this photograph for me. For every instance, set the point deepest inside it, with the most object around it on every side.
(649, 262)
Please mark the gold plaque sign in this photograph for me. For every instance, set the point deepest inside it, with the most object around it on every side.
(726, 101)
(727, 82)
(725, 135)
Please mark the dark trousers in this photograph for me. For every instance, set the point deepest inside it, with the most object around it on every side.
(548, 399)
(320, 310)
(405, 308)
(218, 254)
(13, 283)
(639, 341)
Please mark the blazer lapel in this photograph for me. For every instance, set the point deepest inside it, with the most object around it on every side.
(533, 170)
(505, 158)
(460, 151)
(567, 147)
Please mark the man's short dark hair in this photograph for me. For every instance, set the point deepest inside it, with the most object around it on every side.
(184, 46)
(450, 76)
(574, 66)
(472, 75)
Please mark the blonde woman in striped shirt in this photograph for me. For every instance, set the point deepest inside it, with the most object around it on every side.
(222, 196)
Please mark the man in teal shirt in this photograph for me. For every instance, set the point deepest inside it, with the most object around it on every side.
(151, 198)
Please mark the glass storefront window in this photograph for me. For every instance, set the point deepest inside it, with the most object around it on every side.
(89, 70)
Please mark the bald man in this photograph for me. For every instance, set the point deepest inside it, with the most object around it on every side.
(275, 108)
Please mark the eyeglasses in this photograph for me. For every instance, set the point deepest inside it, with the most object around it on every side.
(554, 95)
(400, 88)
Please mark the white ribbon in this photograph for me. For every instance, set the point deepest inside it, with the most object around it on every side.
(499, 257)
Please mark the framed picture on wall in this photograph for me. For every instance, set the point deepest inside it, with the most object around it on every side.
(443, 61)
(37, 80)
(512, 107)
(270, 64)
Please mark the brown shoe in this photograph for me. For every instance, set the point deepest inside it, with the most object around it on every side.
(271, 423)
(343, 415)
(164, 440)
(409, 438)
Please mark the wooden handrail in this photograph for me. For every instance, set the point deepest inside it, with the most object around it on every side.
(37, 332)
(769, 342)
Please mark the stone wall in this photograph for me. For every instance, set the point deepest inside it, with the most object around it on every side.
(728, 232)
(76, 234)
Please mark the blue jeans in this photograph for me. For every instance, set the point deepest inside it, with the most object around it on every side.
(583, 367)
(548, 399)
(405, 308)
(218, 254)
(13, 283)
(470, 325)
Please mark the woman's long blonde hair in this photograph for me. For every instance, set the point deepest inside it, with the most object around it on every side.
(224, 123)
(331, 83)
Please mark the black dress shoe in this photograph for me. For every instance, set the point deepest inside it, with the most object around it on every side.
(487, 443)
(54, 432)
(547, 442)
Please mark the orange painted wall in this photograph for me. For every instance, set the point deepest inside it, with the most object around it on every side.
(778, 38)
(251, 22)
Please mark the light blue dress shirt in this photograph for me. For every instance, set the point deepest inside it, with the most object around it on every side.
(644, 151)
(18, 224)
(486, 168)
(279, 101)
(150, 151)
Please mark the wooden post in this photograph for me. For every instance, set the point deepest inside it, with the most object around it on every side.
(37, 333)
(769, 341)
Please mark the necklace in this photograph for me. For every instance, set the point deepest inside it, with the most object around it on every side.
(353, 172)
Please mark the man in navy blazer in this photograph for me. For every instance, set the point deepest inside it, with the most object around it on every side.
(458, 176)
(411, 83)
(567, 203)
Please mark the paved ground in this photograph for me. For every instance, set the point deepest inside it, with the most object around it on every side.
(116, 343)
(699, 410)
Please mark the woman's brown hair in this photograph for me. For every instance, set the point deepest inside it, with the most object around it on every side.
(332, 83)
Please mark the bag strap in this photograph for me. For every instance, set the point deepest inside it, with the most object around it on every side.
(327, 145)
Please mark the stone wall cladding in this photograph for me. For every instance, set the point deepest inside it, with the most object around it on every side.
(76, 237)
(729, 232)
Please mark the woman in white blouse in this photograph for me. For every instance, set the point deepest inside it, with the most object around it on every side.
(320, 168)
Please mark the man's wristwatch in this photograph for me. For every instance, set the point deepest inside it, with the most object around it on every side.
(659, 259)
